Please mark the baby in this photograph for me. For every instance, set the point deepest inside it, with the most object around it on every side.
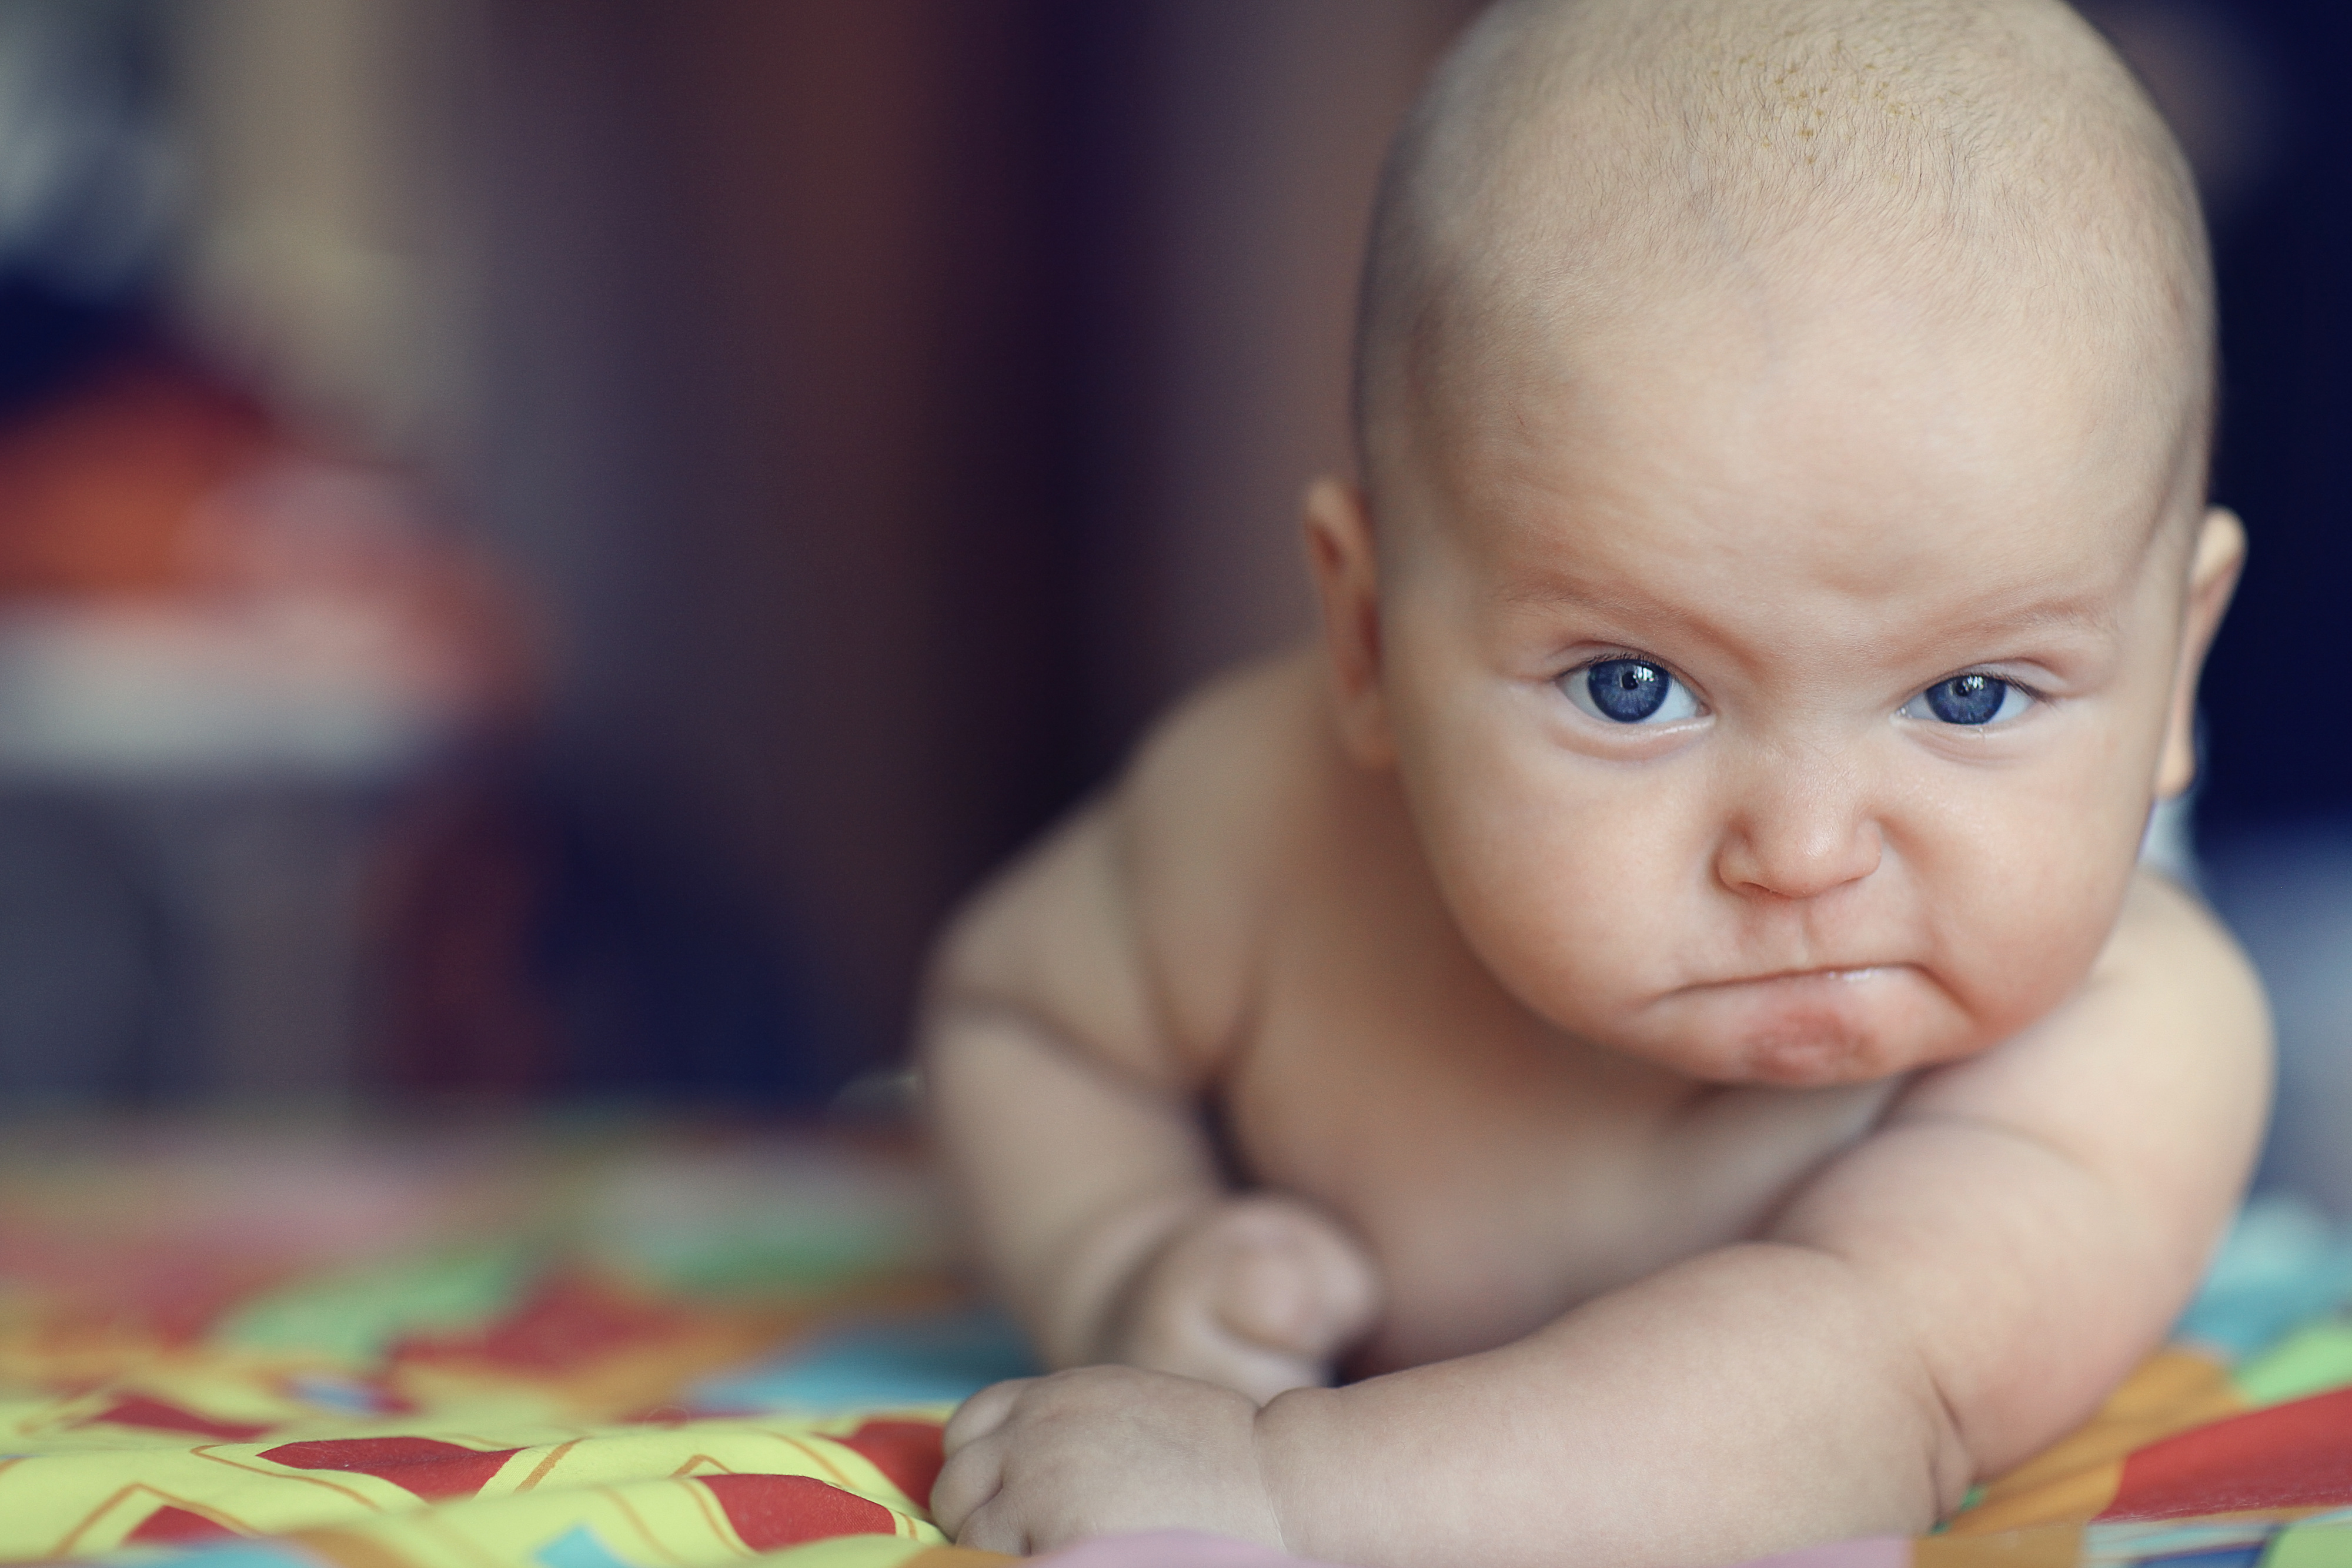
(1660, 1005)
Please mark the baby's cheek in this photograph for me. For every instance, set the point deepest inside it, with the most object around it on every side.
(1569, 917)
(2028, 945)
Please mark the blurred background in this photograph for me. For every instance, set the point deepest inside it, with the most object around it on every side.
(542, 546)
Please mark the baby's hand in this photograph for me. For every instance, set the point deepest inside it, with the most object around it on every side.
(1261, 1295)
(1038, 1463)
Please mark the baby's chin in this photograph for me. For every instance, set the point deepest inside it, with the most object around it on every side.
(1807, 1031)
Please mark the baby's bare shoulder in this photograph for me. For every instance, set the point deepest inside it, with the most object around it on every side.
(2156, 1075)
(2171, 1009)
(1221, 780)
(1217, 817)
(1128, 927)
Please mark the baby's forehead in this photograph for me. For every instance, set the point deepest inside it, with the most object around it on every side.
(1721, 462)
(1791, 306)
(1872, 390)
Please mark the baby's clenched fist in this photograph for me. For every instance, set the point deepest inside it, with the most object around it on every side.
(1261, 1294)
(1040, 1462)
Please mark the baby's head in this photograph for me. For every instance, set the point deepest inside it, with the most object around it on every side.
(1782, 565)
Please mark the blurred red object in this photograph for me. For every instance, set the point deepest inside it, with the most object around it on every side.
(274, 672)
(183, 587)
(97, 492)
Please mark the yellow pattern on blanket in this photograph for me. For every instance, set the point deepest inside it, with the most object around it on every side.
(454, 1352)
(427, 1493)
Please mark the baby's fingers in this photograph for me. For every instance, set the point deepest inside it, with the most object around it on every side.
(968, 1481)
(974, 1471)
(1296, 1298)
(991, 1529)
(983, 1413)
(1292, 1281)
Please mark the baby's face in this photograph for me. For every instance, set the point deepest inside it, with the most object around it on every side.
(1780, 694)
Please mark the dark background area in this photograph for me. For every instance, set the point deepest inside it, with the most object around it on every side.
(872, 413)
(2283, 246)
(958, 367)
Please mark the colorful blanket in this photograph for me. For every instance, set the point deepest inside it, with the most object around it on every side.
(260, 1347)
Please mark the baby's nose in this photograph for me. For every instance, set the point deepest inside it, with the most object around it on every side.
(1801, 830)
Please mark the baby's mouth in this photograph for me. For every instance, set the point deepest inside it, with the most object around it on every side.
(1801, 1028)
(1860, 974)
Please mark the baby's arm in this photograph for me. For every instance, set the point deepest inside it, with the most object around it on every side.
(1066, 1110)
(1933, 1307)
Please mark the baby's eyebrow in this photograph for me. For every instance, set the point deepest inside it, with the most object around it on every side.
(1553, 591)
(2095, 614)
(2086, 616)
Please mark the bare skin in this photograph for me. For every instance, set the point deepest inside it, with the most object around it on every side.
(1693, 1135)
(1869, 1189)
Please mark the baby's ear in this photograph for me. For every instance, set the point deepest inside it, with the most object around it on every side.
(2219, 555)
(1339, 550)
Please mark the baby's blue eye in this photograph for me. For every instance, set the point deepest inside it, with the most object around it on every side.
(1630, 691)
(1970, 699)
